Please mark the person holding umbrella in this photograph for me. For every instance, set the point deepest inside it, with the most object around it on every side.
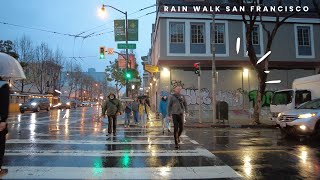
(11, 69)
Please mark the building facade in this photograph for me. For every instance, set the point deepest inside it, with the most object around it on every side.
(181, 39)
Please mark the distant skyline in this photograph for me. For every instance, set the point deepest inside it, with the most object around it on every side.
(73, 17)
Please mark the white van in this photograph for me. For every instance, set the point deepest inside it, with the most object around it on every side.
(303, 90)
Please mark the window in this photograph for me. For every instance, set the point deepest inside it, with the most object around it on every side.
(304, 36)
(197, 33)
(219, 33)
(255, 35)
(304, 41)
(176, 32)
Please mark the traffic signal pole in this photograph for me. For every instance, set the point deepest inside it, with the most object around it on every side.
(127, 54)
(199, 93)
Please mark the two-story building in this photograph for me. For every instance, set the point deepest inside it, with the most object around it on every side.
(182, 38)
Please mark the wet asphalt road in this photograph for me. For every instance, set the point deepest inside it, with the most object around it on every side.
(262, 153)
(71, 144)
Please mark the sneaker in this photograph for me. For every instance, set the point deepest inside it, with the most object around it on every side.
(177, 146)
(169, 130)
(114, 134)
(3, 172)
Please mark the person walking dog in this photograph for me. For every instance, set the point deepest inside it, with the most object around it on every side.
(113, 108)
(177, 109)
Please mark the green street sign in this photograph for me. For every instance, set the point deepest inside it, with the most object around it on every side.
(134, 80)
(119, 30)
(130, 46)
(133, 28)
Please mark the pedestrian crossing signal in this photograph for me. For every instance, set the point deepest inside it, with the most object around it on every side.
(196, 68)
(102, 52)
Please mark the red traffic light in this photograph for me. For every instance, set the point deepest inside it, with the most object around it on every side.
(196, 65)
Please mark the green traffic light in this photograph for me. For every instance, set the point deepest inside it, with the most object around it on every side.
(101, 56)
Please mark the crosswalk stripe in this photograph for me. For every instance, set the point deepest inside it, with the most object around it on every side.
(34, 172)
(116, 153)
(40, 141)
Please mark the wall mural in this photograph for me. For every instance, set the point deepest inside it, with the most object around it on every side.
(266, 98)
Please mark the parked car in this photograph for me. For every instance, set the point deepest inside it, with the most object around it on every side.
(35, 105)
(305, 120)
(85, 104)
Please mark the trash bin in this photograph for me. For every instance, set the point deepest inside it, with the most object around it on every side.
(222, 111)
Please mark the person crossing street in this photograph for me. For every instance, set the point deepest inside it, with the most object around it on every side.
(113, 108)
(163, 110)
(4, 111)
(144, 111)
(177, 109)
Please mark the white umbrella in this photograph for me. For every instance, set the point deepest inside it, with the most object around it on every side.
(10, 68)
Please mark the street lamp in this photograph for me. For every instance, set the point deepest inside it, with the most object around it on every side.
(126, 32)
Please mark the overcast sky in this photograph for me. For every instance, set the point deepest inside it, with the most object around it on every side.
(73, 17)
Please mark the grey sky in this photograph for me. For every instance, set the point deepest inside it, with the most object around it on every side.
(74, 16)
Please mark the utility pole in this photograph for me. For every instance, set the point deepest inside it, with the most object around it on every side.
(127, 54)
(214, 100)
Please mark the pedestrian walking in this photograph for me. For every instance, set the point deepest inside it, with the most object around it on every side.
(163, 110)
(177, 108)
(135, 110)
(127, 111)
(144, 110)
(4, 111)
(113, 108)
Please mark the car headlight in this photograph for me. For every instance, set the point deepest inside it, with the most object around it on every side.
(280, 114)
(68, 103)
(34, 104)
(309, 115)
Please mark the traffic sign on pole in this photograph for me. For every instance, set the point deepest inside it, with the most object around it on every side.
(130, 46)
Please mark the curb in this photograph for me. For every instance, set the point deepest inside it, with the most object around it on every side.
(263, 126)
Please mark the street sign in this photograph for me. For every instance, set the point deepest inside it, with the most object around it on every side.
(151, 69)
(119, 30)
(133, 27)
(134, 80)
(110, 51)
(123, 46)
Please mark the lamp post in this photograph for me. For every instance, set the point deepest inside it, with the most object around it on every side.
(126, 33)
(214, 100)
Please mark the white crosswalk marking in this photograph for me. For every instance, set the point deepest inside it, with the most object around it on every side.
(85, 153)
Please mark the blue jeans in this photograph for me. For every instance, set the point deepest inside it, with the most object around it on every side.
(127, 119)
(136, 116)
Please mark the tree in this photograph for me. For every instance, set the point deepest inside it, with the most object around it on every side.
(316, 4)
(250, 18)
(117, 75)
(25, 50)
(8, 48)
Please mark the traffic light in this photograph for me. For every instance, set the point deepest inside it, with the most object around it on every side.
(102, 52)
(196, 68)
(128, 75)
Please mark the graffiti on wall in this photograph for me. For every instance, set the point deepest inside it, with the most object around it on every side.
(266, 98)
(233, 98)
(192, 95)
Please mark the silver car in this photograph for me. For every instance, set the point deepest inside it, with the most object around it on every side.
(305, 120)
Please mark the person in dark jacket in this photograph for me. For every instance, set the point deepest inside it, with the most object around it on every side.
(4, 111)
(135, 109)
(113, 108)
(177, 108)
(127, 111)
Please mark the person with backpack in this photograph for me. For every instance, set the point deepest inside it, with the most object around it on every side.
(144, 110)
(113, 108)
(163, 110)
(177, 108)
(4, 112)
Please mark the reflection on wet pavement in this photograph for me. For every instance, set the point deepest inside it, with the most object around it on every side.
(262, 153)
(73, 144)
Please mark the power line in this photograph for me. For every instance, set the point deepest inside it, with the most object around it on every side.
(38, 29)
